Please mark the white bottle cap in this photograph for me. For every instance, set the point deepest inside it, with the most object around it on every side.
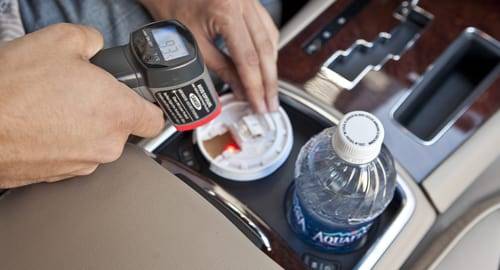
(247, 146)
(359, 137)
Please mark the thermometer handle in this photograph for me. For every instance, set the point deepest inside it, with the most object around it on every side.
(118, 61)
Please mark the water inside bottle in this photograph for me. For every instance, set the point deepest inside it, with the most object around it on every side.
(336, 201)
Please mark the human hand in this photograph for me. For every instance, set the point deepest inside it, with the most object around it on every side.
(250, 35)
(61, 116)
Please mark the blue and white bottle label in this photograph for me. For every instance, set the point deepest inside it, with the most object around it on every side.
(323, 235)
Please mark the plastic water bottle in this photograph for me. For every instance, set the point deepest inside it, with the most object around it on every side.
(344, 179)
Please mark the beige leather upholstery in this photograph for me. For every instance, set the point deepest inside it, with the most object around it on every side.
(470, 242)
(478, 199)
(460, 170)
(477, 248)
(131, 214)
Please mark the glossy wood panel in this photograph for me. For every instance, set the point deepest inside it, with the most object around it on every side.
(380, 91)
(295, 65)
(451, 17)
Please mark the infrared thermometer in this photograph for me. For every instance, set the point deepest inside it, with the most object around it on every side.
(163, 64)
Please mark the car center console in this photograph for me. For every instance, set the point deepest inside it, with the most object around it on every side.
(428, 69)
(258, 208)
(430, 72)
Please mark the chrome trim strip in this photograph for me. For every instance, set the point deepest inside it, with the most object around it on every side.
(149, 145)
(242, 212)
(374, 253)
(252, 222)
(377, 250)
(348, 84)
(341, 80)
(301, 96)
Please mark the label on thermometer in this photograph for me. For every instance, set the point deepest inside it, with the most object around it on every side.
(187, 106)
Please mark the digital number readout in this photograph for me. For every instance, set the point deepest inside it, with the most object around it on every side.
(170, 43)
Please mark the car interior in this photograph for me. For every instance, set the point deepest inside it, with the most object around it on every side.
(428, 70)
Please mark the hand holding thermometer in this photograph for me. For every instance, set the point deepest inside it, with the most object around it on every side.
(163, 64)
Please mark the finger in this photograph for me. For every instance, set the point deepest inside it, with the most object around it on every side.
(93, 41)
(10, 183)
(222, 66)
(46, 173)
(83, 40)
(246, 60)
(271, 97)
(81, 172)
(53, 179)
(266, 51)
(71, 170)
(56, 178)
(147, 119)
(85, 171)
(269, 26)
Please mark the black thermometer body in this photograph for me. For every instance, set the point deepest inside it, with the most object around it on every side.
(163, 64)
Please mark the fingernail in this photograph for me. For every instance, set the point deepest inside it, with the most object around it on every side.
(274, 104)
(261, 108)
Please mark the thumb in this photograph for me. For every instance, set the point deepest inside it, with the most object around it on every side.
(148, 119)
(92, 41)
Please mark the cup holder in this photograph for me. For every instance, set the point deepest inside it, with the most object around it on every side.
(370, 235)
(258, 208)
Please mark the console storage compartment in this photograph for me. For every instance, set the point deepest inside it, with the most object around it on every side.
(467, 68)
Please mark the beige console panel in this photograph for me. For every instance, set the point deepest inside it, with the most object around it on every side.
(131, 214)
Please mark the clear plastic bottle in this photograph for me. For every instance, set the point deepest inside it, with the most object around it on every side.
(344, 179)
